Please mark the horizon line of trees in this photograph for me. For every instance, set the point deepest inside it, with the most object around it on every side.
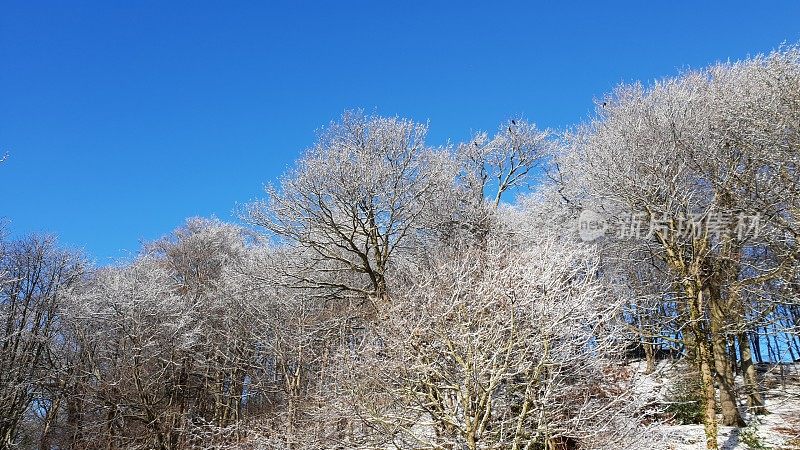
(392, 295)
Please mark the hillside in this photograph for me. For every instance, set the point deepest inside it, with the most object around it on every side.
(779, 429)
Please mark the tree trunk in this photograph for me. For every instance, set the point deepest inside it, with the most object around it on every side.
(727, 392)
(649, 354)
(756, 347)
(755, 401)
(733, 356)
(709, 398)
(50, 417)
(704, 360)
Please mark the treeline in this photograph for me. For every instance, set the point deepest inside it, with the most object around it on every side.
(388, 294)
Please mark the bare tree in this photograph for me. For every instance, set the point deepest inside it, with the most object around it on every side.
(34, 279)
(505, 161)
(353, 200)
(505, 348)
(679, 160)
(171, 343)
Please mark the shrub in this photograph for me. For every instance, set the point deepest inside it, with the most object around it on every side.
(684, 400)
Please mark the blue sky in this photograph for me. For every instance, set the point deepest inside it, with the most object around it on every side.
(124, 118)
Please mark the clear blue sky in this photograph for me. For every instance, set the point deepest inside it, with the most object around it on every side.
(124, 118)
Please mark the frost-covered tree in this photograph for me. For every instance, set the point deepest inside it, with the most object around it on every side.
(507, 346)
(497, 165)
(35, 278)
(353, 200)
(403, 298)
(688, 160)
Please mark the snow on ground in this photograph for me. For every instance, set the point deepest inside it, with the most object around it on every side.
(778, 430)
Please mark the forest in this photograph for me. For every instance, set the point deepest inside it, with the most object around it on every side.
(489, 294)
